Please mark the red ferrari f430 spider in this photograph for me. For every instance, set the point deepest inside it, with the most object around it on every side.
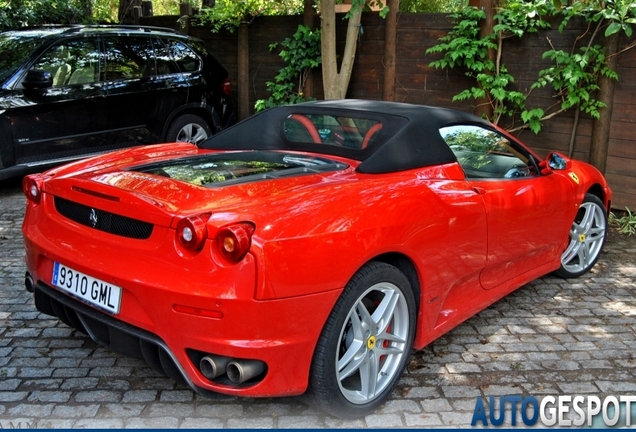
(309, 248)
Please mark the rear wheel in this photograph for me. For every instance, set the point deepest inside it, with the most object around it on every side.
(188, 128)
(587, 237)
(365, 344)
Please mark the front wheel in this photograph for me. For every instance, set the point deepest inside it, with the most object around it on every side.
(587, 237)
(365, 344)
(188, 128)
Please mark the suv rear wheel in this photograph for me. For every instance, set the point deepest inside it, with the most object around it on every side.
(188, 128)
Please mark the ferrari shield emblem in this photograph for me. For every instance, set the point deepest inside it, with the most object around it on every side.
(574, 177)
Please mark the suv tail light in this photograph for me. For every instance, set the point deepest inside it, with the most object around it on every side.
(234, 241)
(227, 87)
(191, 231)
(32, 187)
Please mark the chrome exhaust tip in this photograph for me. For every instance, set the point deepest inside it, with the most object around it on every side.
(239, 371)
(212, 366)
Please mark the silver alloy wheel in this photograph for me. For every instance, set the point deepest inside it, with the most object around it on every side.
(192, 133)
(372, 343)
(587, 236)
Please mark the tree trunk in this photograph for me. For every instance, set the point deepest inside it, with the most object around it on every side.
(336, 83)
(484, 108)
(243, 72)
(601, 126)
(308, 20)
(390, 41)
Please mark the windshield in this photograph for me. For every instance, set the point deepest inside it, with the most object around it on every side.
(239, 167)
(15, 49)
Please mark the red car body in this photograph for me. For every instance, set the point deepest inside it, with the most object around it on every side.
(462, 243)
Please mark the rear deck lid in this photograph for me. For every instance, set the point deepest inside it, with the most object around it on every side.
(229, 168)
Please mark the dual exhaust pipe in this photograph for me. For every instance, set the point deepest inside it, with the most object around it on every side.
(238, 371)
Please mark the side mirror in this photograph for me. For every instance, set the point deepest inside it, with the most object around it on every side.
(37, 79)
(558, 162)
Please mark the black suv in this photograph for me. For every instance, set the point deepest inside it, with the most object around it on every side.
(69, 92)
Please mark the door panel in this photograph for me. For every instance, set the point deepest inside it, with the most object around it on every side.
(527, 226)
(60, 121)
(140, 99)
(527, 212)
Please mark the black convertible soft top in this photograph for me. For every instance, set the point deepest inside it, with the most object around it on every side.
(409, 137)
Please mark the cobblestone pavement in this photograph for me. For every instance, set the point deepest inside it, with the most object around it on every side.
(550, 337)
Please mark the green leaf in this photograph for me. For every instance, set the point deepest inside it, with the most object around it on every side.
(612, 28)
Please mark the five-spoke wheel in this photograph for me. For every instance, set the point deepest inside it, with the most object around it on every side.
(189, 128)
(366, 342)
(587, 237)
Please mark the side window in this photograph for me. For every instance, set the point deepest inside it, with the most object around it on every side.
(186, 59)
(165, 64)
(487, 154)
(128, 58)
(71, 62)
(349, 132)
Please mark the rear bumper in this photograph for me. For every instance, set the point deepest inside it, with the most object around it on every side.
(157, 284)
(109, 332)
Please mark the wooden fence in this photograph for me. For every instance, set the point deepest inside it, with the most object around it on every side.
(417, 83)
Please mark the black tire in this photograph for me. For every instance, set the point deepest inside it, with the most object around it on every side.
(376, 286)
(586, 240)
(188, 128)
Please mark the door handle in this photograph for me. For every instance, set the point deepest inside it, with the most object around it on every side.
(479, 191)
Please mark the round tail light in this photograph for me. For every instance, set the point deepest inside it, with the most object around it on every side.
(191, 231)
(234, 241)
(32, 188)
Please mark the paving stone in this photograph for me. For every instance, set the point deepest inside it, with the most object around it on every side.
(99, 424)
(232, 411)
(176, 396)
(151, 423)
(299, 422)
(75, 411)
(251, 423)
(121, 410)
(334, 423)
(11, 396)
(161, 409)
(135, 396)
(383, 420)
(49, 396)
(201, 423)
(10, 384)
(34, 410)
(399, 406)
(97, 396)
(422, 420)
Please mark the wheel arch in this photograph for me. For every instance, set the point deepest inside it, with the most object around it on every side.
(597, 190)
(207, 114)
(407, 267)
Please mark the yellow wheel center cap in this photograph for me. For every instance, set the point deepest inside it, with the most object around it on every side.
(371, 342)
(582, 238)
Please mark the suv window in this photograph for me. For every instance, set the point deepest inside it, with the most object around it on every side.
(129, 58)
(483, 153)
(185, 58)
(15, 50)
(71, 62)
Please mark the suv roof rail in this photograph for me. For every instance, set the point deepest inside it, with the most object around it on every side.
(72, 28)
(122, 26)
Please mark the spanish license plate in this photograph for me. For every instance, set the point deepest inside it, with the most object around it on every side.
(94, 291)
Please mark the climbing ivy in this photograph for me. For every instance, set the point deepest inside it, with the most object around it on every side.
(301, 53)
(572, 75)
